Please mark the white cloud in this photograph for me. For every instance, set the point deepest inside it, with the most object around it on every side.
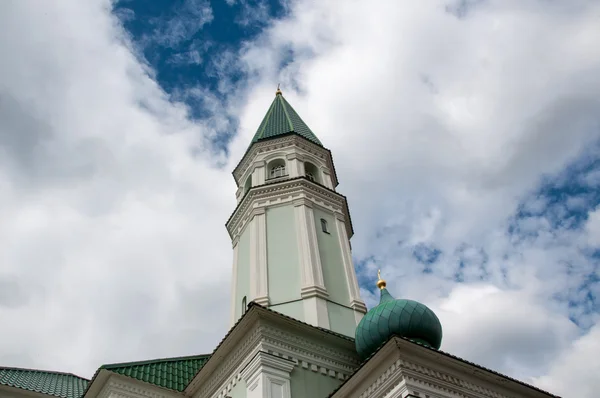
(111, 231)
(450, 123)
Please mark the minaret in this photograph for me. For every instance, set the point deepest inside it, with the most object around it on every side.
(291, 230)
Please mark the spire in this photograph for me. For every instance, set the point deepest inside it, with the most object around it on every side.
(282, 119)
(381, 284)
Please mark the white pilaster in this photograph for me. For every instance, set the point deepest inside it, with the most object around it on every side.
(268, 376)
(294, 165)
(258, 175)
(355, 301)
(234, 297)
(313, 289)
(327, 178)
(259, 287)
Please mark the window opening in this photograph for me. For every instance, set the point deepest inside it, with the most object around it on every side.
(324, 225)
(278, 171)
(244, 305)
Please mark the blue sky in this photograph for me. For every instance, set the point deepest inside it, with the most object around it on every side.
(473, 126)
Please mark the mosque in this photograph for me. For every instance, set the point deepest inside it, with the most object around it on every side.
(299, 328)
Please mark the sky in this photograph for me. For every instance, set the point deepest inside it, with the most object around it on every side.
(473, 124)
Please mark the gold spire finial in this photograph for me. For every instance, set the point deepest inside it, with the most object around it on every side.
(381, 284)
(278, 92)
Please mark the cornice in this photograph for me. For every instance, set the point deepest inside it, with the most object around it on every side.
(118, 387)
(297, 191)
(443, 381)
(301, 351)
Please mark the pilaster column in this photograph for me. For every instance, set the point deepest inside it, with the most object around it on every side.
(327, 178)
(258, 173)
(259, 286)
(308, 246)
(295, 165)
(268, 376)
(234, 295)
(355, 301)
(313, 289)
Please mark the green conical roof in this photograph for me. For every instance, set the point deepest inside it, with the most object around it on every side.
(282, 119)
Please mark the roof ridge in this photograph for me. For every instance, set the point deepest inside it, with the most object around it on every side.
(287, 115)
(266, 119)
(152, 361)
(56, 372)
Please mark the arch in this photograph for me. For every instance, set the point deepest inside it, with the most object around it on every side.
(312, 172)
(276, 169)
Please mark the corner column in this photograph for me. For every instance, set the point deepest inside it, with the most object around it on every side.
(355, 301)
(234, 295)
(268, 376)
(259, 286)
(313, 291)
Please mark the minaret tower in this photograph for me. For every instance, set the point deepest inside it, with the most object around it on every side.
(291, 230)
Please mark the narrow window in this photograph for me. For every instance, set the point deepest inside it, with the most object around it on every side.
(244, 305)
(324, 226)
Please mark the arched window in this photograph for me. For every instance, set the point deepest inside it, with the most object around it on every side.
(311, 172)
(324, 225)
(276, 169)
(244, 305)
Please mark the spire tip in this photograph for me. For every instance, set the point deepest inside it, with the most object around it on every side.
(278, 92)
(381, 284)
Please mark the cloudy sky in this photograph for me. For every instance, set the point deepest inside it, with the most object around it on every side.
(474, 126)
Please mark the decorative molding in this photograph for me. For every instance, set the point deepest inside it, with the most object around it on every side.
(268, 376)
(309, 351)
(278, 144)
(282, 193)
(314, 291)
(292, 346)
(135, 389)
(442, 381)
(425, 379)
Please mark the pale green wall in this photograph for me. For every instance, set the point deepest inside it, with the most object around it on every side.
(308, 384)
(294, 309)
(243, 271)
(330, 251)
(341, 319)
(282, 255)
(239, 391)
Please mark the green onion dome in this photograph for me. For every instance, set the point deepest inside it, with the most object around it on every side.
(405, 318)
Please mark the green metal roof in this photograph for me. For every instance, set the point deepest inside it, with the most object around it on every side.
(64, 385)
(171, 373)
(282, 119)
(405, 318)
